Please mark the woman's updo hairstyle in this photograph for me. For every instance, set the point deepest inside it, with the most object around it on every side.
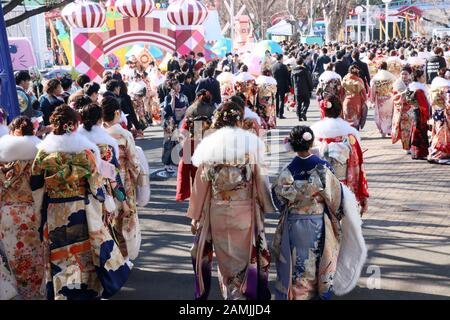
(354, 69)
(90, 88)
(51, 86)
(301, 138)
(64, 120)
(90, 115)
(229, 114)
(109, 107)
(81, 101)
(22, 124)
(333, 107)
(417, 74)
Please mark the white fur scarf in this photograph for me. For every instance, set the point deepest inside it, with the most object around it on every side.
(229, 145)
(3, 130)
(328, 76)
(69, 143)
(332, 128)
(99, 135)
(13, 148)
(353, 250)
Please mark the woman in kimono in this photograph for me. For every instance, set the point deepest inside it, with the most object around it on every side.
(245, 83)
(402, 118)
(19, 222)
(340, 145)
(265, 99)
(381, 98)
(82, 260)
(440, 141)
(318, 244)
(417, 97)
(226, 84)
(394, 64)
(125, 223)
(329, 85)
(229, 200)
(91, 128)
(355, 98)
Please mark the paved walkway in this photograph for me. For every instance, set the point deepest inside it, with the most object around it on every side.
(407, 228)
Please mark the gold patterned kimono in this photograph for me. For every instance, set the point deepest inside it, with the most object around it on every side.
(355, 98)
(381, 97)
(440, 141)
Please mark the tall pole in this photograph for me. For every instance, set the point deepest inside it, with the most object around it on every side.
(232, 21)
(367, 21)
(311, 18)
(359, 29)
(386, 25)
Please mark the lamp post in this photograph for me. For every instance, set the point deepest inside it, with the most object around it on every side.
(367, 21)
(359, 10)
(386, 26)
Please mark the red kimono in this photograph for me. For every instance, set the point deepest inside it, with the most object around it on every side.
(421, 110)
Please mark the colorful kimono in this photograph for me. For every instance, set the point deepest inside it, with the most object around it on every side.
(339, 144)
(394, 65)
(126, 223)
(355, 98)
(245, 83)
(381, 98)
(230, 197)
(440, 141)
(226, 85)
(8, 288)
(19, 222)
(329, 86)
(267, 89)
(417, 97)
(313, 253)
(403, 116)
(82, 260)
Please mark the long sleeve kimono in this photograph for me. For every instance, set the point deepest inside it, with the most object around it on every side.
(267, 89)
(403, 116)
(440, 141)
(82, 260)
(339, 144)
(329, 85)
(417, 96)
(381, 98)
(126, 223)
(317, 251)
(355, 98)
(19, 222)
(230, 198)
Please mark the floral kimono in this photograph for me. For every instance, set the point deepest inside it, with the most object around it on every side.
(394, 65)
(417, 97)
(19, 222)
(329, 86)
(355, 98)
(226, 85)
(440, 141)
(381, 98)
(312, 250)
(339, 144)
(245, 83)
(230, 198)
(112, 187)
(82, 260)
(403, 116)
(8, 288)
(126, 223)
(267, 89)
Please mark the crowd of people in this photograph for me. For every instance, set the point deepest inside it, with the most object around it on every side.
(72, 177)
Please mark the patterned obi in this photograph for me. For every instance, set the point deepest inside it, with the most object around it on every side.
(230, 182)
(383, 88)
(336, 151)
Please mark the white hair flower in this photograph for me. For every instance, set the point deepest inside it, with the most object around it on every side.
(307, 136)
(329, 105)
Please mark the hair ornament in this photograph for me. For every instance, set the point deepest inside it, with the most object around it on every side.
(307, 136)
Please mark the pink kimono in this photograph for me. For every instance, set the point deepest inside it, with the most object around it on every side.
(381, 97)
(355, 98)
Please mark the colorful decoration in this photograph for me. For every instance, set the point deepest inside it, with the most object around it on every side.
(222, 47)
(22, 55)
(187, 13)
(64, 40)
(270, 45)
(84, 14)
(89, 54)
(134, 8)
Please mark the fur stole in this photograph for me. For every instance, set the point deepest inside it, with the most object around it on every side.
(414, 86)
(328, 76)
(332, 128)
(69, 143)
(229, 145)
(383, 75)
(13, 148)
(99, 135)
(399, 86)
(249, 114)
(3, 130)
(440, 82)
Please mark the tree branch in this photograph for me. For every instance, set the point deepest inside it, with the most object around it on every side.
(36, 11)
(11, 5)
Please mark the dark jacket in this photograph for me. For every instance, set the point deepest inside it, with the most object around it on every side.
(364, 72)
(173, 65)
(48, 104)
(281, 73)
(434, 64)
(126, 105)
(181, 103)
(163, 91)
(321, 61)
(189, 91)
(211, 85)
(347, 58)
(302, 81)
(341, 68)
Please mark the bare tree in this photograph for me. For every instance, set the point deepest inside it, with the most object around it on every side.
(296, 10)
(259, 12)
(335, 13)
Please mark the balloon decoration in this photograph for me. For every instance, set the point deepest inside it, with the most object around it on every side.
(267, 45)
(222, 47)
(253, 62)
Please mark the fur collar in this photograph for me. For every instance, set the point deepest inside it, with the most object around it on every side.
(69, 143)
(238, 143)
(249, 114)
(399, 86)
(329, 75)
(413, 86)
(99, 135)
(3, 130)
(439, 82)
(14, 148)
(383, 75)
(332, 128)
(265, 80)
(117, 129)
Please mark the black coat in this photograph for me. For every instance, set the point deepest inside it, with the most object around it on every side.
(126, 105)
(189, 91)
(213, 86)
(281, 73)
(321, 61)
(341, 68)
(48, 104)
(173, 65)
(364, 72)
(433, 66)
(302, 81)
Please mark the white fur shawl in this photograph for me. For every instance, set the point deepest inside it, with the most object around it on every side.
(413, 86)
(13, 148)
(399, 86)
(229, 145)
(249, 114)
(332, 128)
(99, 135)
(329, 75)
(439, 82)
(353, 250)
(69, 143)
(383, 75)
(3, 130)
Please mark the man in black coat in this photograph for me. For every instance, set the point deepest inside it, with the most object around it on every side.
(364, 69)
(436, 65)
(341, 66)
(210, 84)
(173, 64)
(321, 61)
(281, 74)
(303, 86)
